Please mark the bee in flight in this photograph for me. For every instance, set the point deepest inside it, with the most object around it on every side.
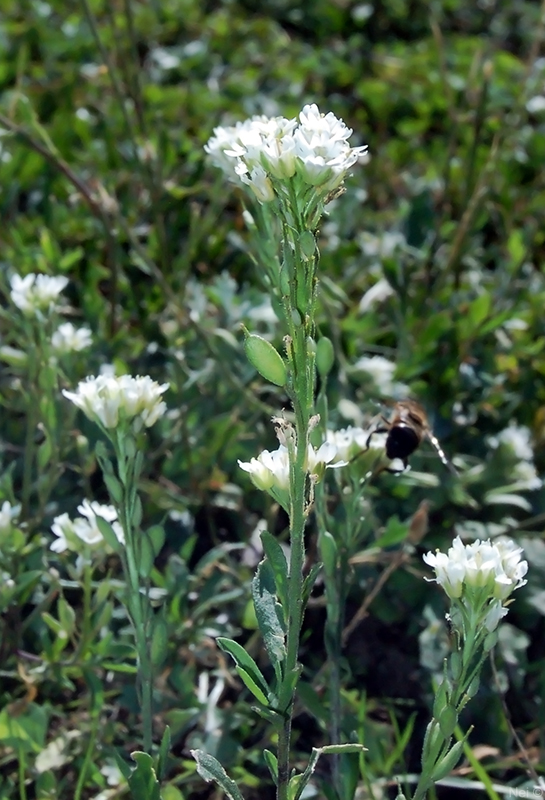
(407, 427)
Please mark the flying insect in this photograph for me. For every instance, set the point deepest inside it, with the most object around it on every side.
(406, 429)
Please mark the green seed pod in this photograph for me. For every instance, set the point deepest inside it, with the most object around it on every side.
(159, 641)
(448, 721)
(455, 665)
(307, 243)
(448, 762)
(441, 699)
(327, 547)
(473, 687)
(267, 361)
(325, 356)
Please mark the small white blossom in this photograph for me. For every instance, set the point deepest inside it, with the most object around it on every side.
(110, 400)
(480, 572)
(7, 514)
(69, 339)
(72, 533)
(517, 438)
(349, 442)
(271, 469)
(36, 293)
(260, 150)
(381, 371)
(379, 292)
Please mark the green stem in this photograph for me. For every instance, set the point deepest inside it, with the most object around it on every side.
(136, 604)
(301, 396)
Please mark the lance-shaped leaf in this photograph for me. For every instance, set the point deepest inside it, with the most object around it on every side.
(247, 669)
(210, 769)
(270, 616)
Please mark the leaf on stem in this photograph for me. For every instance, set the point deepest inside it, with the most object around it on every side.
(246, 668)
(108, 533)
(143, 781)
(210, 769)
(270, 616)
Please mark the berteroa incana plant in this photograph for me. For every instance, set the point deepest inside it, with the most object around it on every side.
(290, 169)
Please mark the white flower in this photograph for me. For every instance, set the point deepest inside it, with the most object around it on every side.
(349, 442)
(479, 571)
(108, 400)
(315, 149)
(525, 476)
(375, 295)
(72, 533)
(36, 293)
(381, 371)
(271, 469)
(517, 438)
(7, 515)
(69, 339)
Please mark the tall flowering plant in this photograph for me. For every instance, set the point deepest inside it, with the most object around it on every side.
(40, 343)
(478, 579)
(290, 169)
(123, 407)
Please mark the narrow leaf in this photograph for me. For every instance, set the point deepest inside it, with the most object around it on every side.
(269, 615)
(245, 661)
(210, 769)
(279, 565)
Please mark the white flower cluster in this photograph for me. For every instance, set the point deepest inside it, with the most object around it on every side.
(35, 294)
(69, 339)
(350, 442)
(261, 150)
(72, 534)
(108, 400)
(518, 440)
(271, 469)
(480, 574)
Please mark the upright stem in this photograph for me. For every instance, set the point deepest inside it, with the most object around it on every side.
(136, 602)
(302, 400)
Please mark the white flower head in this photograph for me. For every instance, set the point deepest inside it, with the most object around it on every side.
(36, 294)
(109, 400)
(83, 531)
(349, 442)
(314, 149)
(517, 438)
(271, 469)
(69, 339)
(480, 574)
(381, 371)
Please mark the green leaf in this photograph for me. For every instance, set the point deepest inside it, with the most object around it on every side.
(252, 686)
(244, 660)
(308, 583)
(272, 763)
(143, 781)
(396, 532)
(109, 534)
(164, 751)
(115, 490)
(146, 557)
(210, 769)
(156, 535)
(279, 565)
(269, 615)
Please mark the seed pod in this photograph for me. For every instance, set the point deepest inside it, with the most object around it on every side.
(267, 361)
(325, 356)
